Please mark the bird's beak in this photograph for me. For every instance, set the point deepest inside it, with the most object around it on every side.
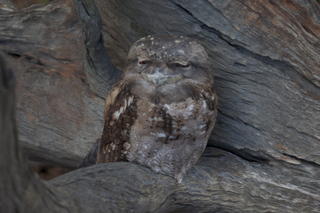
(158, 78)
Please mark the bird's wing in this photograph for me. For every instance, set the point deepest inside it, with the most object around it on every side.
(120, 114)
(91, 158)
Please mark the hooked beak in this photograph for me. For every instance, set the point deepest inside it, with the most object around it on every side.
(158, 78)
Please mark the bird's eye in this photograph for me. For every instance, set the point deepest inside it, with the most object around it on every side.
(182, 65)
(144, 62)
(186, 65)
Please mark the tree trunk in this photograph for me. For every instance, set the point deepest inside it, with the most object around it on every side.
(264, 152)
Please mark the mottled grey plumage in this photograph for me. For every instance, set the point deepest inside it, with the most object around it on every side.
(161, 112)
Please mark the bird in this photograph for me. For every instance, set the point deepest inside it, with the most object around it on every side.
(163, 109)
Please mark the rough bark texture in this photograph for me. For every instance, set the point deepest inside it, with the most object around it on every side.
(266, 59)
(55, 108)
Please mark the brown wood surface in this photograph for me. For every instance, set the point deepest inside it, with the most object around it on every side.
(264, 153)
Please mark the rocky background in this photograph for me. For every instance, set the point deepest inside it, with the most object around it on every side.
(264, 152)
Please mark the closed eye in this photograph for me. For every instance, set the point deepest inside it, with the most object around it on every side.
(181, 65)
(144, 62)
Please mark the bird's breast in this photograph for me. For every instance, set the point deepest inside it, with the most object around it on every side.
(164, 133)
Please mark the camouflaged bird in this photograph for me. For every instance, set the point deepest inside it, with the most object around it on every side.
(162, 111)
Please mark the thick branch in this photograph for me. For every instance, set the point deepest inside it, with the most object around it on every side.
(44, 45)
(101, 73)
(265, 57)
(221, 182)
(254, 82)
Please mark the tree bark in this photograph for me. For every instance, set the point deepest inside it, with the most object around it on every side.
(265, 58)
(264, 153)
